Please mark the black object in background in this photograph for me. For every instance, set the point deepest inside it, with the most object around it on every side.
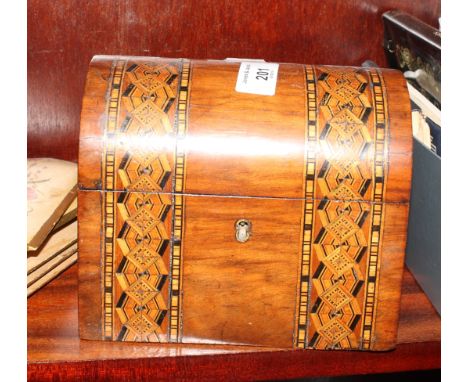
(413, 46)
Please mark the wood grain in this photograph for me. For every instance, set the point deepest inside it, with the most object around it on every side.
(63, 35)
(237, 137)
(230, 288)
(56, 352)
(400, 138)
(92, 125)
(89, 247)
(391, 273)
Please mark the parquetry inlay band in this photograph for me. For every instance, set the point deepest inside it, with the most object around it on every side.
(338, 283)
(141, 282)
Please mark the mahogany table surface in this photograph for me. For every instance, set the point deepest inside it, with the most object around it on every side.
(55, 351)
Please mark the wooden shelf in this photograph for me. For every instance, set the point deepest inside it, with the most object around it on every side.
(56, 353)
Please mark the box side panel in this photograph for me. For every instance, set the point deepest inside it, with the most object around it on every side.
(399, 138)
(240, 292)
(93, 123)
(89, 265)
(388, 289)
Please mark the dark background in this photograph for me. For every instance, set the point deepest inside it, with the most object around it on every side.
(63, 35)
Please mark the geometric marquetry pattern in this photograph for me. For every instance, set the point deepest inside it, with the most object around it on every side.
(345, 245)
(147, 98)
(142, 272)
(140, 221)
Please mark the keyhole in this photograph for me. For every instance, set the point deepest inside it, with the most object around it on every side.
(243, 229)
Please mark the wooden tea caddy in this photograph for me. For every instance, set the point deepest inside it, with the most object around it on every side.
(207, 215)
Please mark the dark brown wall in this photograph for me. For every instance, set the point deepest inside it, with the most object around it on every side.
(63, 35)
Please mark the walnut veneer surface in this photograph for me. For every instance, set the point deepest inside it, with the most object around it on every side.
(55, 351)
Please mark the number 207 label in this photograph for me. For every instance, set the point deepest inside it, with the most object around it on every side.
(257, 78)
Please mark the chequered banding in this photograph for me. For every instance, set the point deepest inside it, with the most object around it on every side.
(178, 203)
(308, 210)
(108, 199)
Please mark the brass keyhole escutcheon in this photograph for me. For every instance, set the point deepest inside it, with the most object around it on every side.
(243, 230)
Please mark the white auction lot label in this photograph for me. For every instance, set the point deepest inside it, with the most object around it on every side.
(257, 78)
